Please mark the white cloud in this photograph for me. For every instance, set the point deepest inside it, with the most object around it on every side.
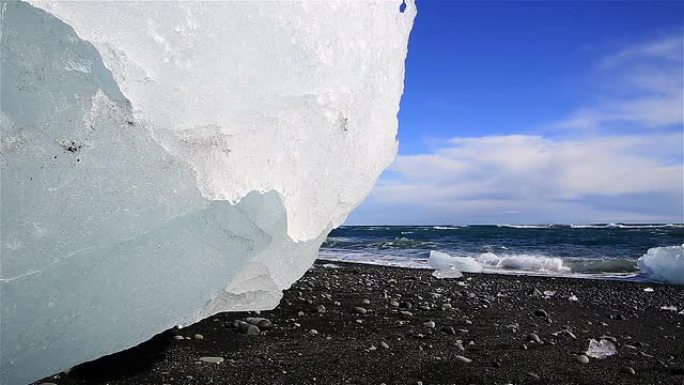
(648, 83)
(666, 48)
(541, 168)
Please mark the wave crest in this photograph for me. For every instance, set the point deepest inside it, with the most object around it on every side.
(523, 262)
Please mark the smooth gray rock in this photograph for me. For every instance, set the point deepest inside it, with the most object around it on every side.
(463, 359)
(212, 360)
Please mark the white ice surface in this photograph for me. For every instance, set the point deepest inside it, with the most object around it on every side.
(443, 261)
(601, 349)
(664, 264)
(164, 161)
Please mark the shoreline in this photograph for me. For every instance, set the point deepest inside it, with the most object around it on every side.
(367, 324)
(627, 277)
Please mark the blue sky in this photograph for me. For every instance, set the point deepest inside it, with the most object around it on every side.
(537, 112)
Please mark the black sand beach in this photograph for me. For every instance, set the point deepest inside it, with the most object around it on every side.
(343, 326)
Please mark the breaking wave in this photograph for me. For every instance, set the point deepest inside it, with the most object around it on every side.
(523, 262)
(593, 226)
(599, 250)
(491, 262)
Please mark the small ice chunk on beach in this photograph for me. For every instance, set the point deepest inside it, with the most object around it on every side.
(447, 273)
(601, 349)
(331, 266)
(439, 261)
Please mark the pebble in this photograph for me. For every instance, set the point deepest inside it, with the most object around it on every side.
(179, 337)
(429, 324)
(384, 345)
(394, 303)
(582, 359)
(610, 338)
(534, 337)
(249, 329)
(313, 332)
(629, 370)
(198, 337)
(465, 360)
(212, 360)
(365, 301)
(360, 310)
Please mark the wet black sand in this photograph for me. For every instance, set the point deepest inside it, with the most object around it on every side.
(495, 312)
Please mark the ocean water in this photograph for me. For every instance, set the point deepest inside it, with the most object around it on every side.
(595, 251)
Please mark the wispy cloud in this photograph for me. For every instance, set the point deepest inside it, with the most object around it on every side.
(647, 85)
(617, 160)
(667, 48)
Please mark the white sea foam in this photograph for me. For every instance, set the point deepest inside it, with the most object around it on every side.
(521, 226)
(496, 263)
(627, 226)
(523, 262)
(664, 264)
(372, 258)
(594, 226)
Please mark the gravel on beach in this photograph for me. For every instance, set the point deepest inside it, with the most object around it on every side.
(363, 324)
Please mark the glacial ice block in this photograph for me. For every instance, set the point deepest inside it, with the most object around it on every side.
(165, 161)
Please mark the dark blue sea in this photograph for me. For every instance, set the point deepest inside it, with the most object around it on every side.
(594, 251)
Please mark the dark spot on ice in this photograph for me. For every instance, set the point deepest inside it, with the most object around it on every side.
(343, 122)
(130, 122)
(71, 146)
(402, 7)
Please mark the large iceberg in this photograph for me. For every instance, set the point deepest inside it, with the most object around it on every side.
(165, 161)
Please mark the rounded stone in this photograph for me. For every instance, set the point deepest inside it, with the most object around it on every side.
(212, 360)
